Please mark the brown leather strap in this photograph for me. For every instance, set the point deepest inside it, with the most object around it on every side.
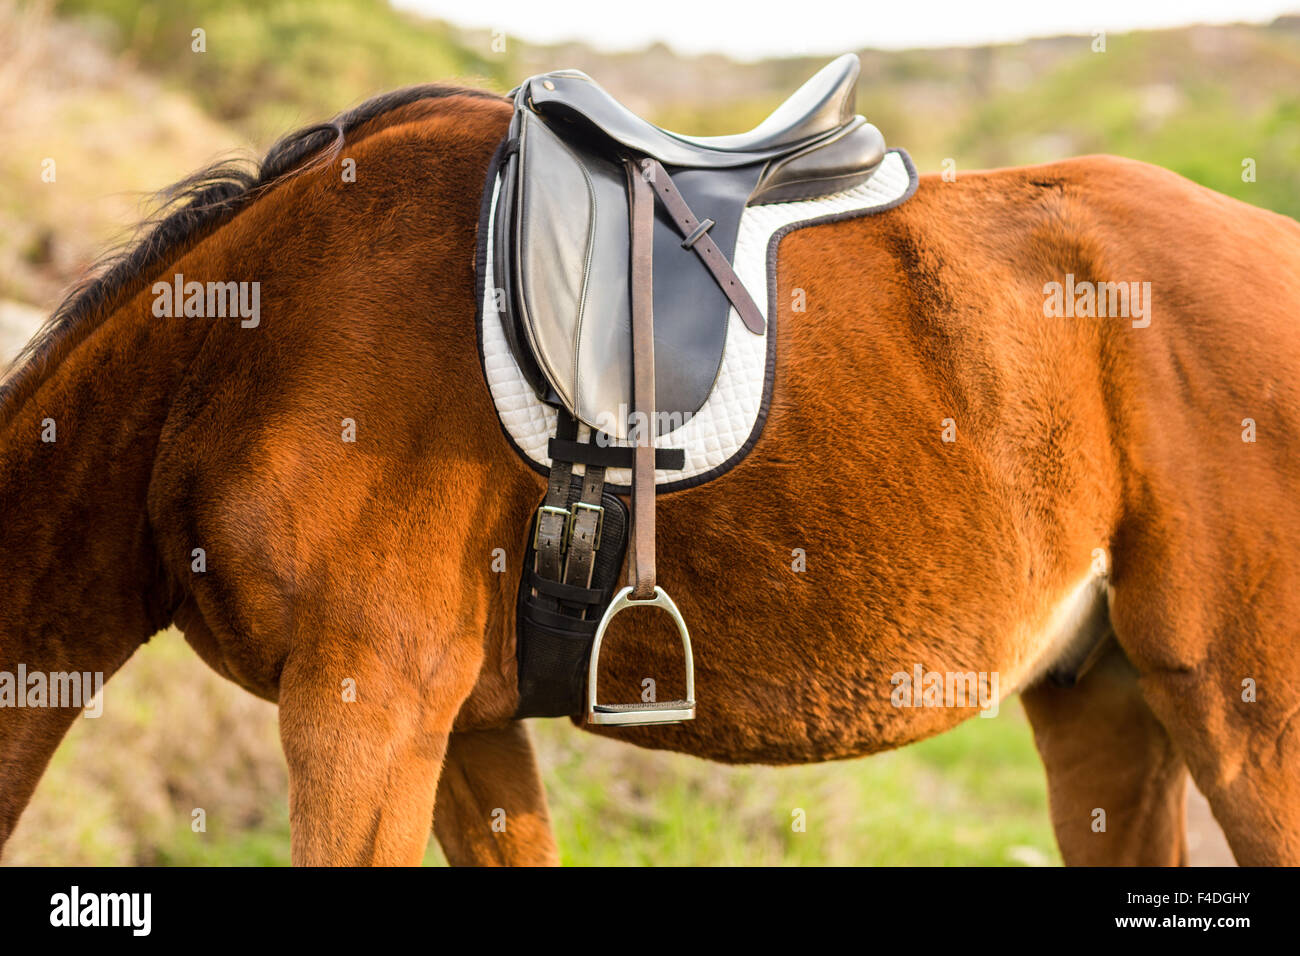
(697, 238)
(642, 203)
(552, 523)
(584, 540)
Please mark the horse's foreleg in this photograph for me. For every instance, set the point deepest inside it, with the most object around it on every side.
(1105, 751)
(29, 735)
(491, 807)
(364, 745)
(28, 738)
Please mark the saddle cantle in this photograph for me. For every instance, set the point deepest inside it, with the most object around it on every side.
(612, 250)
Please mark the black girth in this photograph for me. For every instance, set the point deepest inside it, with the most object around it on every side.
(576, 546)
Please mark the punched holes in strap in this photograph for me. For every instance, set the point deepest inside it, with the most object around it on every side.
(698, 239)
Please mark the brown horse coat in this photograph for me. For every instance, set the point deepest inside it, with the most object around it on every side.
(353, 581)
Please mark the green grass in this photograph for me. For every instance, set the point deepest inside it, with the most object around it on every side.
(975, 796)
(175, 737)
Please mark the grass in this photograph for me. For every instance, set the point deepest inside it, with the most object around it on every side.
(175, 738)
(975, 796)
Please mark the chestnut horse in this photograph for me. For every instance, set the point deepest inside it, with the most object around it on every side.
(319, 499)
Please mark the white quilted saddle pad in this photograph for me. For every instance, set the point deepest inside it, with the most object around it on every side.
(723, 430)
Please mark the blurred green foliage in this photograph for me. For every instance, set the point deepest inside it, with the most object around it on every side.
(273, 64)
(1198, 100)
(1159, 97)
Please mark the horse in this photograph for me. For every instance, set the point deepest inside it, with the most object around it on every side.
(317, 492)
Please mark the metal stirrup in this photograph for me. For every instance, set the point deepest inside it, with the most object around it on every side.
(661, 712)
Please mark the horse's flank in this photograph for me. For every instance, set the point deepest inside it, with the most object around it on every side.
(329, 564)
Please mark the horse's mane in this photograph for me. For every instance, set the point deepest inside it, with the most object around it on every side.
(188, 209)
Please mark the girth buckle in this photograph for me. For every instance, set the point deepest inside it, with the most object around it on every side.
(573, 519)
(661, 712)
(565, 518)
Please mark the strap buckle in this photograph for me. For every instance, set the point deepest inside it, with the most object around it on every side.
(565, 517)
(573, 519)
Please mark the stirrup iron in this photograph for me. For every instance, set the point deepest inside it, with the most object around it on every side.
(661, 712)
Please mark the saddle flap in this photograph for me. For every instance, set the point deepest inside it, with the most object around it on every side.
(554, 236)
(570, 282)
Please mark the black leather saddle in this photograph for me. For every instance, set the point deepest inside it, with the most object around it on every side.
(561, 232)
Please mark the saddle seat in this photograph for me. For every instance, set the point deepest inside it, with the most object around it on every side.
(823, 105)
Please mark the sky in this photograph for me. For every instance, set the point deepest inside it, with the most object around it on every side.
(759, 28)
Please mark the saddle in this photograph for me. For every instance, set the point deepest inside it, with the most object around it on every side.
(612, 247)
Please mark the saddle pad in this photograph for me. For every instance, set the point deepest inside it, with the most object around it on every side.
(719, 435)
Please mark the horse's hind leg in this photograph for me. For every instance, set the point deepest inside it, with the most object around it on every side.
(1217, 659)
(1234, 713)
(1104, 750)
(491, 807)
(1255, 794)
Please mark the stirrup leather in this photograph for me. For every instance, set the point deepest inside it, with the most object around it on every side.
(645, 177)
